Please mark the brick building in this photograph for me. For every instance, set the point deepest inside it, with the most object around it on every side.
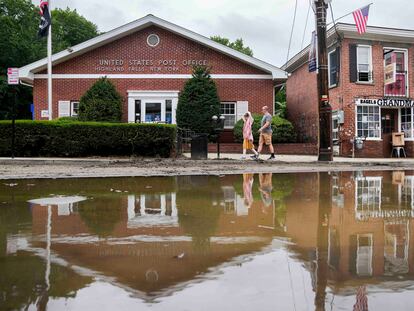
(149, 60)
(371, 90)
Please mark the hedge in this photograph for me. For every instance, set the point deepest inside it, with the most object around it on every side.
(283, 130)
(79, 139)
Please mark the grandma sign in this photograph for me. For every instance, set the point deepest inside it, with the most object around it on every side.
(386, 102)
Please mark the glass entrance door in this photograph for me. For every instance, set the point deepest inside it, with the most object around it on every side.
(153, 112)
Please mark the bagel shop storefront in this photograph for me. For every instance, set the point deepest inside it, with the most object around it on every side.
(376, 119)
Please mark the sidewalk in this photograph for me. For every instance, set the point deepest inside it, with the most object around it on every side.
(231, 157)
(307, 158)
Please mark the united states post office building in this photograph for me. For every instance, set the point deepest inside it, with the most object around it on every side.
(371, 90)
(149, 61)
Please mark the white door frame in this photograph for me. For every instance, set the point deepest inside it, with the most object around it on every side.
(151, 96)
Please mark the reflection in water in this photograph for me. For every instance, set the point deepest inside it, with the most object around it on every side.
(339, 241)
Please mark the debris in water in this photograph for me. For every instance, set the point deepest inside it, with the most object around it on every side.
(11, 185)
(181, 256)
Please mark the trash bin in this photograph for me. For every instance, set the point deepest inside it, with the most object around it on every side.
(199, 143)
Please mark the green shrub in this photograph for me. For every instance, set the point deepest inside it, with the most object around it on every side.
(77, 139)
(198, 102)
(283, 131)
(101, 103)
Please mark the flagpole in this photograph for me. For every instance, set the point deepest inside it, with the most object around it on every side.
(49, 67)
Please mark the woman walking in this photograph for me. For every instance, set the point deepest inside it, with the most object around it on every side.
(247, 134)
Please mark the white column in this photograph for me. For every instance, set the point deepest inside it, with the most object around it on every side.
(143, 105)
(131, 109)
(163, 108)
(174, 110)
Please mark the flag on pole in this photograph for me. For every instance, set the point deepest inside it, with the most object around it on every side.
(313, 53)
(361, 19)
(45, 19)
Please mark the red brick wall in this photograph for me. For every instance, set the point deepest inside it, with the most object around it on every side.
(302, 87)
(171, 47)
(302, 103)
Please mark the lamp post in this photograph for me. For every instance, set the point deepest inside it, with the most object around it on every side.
(218, 124)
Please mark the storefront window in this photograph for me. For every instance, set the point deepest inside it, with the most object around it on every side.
(368, 197)
(228, 110)
(399, 87)
(368, 121)
(407, 122)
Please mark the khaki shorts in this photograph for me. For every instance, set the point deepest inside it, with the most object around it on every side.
(265, 138)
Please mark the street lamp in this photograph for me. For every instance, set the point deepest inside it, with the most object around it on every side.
(218, 126)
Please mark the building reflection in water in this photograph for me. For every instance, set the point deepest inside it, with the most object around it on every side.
(351, 232)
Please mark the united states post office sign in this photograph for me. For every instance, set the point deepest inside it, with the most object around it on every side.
(386, 102)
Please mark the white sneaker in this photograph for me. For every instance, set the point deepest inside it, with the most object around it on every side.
(243, 157)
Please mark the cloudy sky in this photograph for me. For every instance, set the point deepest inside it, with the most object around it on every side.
(264, 25)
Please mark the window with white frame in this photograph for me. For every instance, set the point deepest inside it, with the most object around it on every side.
(333, 68)
(407, 122)
(67, 108)
(364, 63)
(368, 122)
(74, 108)
(399, 59)
(228, 110)
(335, 127)
(368, 197)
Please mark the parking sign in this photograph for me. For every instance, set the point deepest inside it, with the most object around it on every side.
(13, 76)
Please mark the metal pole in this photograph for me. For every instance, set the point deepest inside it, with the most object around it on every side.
(49, 66)
(13, 122)
(325, 109)
(218, 146)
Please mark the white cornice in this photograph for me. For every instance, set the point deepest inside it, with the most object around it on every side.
(373, 33)
(26, 72)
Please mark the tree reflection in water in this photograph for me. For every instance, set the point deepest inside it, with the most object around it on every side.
(199, 214)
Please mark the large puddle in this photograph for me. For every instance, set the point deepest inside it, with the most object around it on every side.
(317, 241)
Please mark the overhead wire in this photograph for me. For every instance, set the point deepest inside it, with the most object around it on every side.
(306, 25)
(291, 31)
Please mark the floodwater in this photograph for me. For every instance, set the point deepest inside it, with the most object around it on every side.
(315, 241)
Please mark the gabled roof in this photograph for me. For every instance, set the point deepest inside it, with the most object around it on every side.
(345, 30)
(26, 73)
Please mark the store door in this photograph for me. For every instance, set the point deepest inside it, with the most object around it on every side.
(389, 124)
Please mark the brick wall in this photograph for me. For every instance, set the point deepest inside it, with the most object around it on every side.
(302, 103)
(171, 48)
(302, 97)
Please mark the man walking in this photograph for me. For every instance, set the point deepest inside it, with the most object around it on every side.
(266, 133)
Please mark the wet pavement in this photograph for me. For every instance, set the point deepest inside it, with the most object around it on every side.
(304, 241)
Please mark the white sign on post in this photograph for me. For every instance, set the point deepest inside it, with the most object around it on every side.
(13, 76)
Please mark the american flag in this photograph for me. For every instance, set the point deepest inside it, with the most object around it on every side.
(361, 19)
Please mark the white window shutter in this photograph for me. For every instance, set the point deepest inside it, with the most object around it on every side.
(64, 108)
(241, 108)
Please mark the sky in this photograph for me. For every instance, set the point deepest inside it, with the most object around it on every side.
(264, 25)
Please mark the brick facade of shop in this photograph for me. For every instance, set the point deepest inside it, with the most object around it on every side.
(302, 97)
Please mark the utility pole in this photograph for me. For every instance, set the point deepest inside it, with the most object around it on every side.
(325, 109)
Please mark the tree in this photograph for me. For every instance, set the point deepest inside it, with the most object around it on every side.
(237, 45)
(280, 103)
(198, 102)
(101, 102)
(70, 28)
(19, 45)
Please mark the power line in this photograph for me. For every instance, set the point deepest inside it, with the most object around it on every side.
(291, 31)
(306, 25)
